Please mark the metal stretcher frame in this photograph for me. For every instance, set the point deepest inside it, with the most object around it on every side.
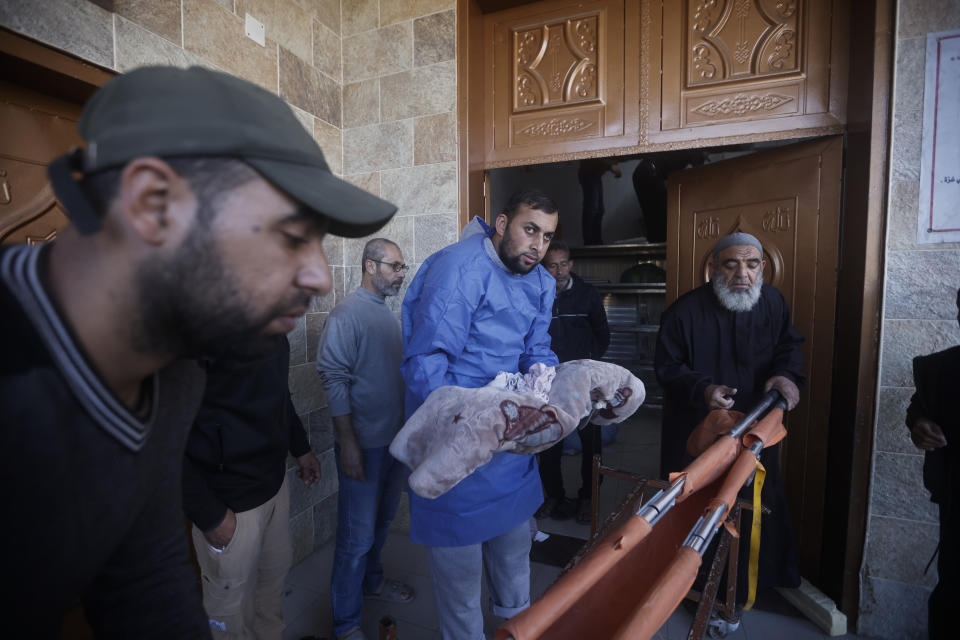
(629, 574)
(726, 552)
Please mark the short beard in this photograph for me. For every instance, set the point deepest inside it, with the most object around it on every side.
(191, 306)
(513, 262)
(737, 301)
(384, 286)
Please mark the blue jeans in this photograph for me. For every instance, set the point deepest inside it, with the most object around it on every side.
(456, 573)
(364, 512)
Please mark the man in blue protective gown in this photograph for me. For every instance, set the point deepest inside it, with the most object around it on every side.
(474, 309)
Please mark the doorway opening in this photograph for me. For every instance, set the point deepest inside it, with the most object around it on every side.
(661, 218)
(624, 219)
(619, 246)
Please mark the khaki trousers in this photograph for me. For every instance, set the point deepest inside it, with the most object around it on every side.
(243, 583)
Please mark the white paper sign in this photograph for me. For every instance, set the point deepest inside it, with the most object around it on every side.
(938, 217)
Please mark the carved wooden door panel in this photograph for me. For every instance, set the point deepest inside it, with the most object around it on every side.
(34, 129)
(558, 80)
(736, 67)
(789, 198)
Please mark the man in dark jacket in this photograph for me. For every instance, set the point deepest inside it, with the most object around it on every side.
(935, 427)
(235, 489)
(578, 330)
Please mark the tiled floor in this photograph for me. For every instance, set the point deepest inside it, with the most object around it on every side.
(307, 599)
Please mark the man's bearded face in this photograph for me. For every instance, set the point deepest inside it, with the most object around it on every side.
(229, 287)
(558, 264)
(737, 277)
(386, 280)
(193, 304)
(525, 238)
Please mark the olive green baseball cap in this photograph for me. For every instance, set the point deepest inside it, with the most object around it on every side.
(173, 112)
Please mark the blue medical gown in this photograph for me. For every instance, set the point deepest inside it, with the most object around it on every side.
(465, 319)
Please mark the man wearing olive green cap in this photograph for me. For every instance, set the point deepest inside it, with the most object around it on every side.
(198, 207)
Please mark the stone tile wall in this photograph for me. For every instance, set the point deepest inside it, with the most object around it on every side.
(919, 317)
(395, 113)
(399, 123)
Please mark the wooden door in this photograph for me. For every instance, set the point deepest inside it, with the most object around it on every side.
(558, 79)
(34, 129)
(789, 198)
(41, 97)
(741, 67)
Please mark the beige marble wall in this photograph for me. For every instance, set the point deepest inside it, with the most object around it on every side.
(396, 60)
(302, 63)
(399, 122)
(919, 317)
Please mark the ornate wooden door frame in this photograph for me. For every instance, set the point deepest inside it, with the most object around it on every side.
(695, 73)
(560, 78)
(788, 197)
(746, 67)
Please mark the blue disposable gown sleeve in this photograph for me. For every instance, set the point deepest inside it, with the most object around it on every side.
(436, 327)
(537, 340)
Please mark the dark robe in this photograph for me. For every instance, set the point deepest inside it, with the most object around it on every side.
(702, 343)
(590, 174)
(937, 379)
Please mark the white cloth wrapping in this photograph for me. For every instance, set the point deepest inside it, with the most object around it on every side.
(537, 381)
(457, 430)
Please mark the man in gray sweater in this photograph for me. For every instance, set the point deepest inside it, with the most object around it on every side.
(359, 362)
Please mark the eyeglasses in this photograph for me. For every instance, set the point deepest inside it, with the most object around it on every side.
(396, 266)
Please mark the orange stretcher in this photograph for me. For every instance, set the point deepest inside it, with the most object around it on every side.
(633, 578)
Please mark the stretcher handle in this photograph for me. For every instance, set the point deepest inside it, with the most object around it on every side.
(596, 406)
(663, 501)
(772, 399)
(702, 533)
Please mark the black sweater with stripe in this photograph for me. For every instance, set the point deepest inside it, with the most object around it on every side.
(91, 492)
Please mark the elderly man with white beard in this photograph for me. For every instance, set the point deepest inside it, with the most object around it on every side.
(723, 346)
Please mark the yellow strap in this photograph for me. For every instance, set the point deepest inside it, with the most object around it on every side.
(754, 567)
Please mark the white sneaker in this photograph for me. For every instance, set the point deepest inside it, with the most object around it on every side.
(719, 627)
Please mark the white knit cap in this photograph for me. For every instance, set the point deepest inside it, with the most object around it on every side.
(735, 239)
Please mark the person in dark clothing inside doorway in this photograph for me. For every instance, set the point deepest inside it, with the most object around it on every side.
(722, 346)
(589, 174)
(935, 427)
(198, 209)
(578, 330)
(235, 489)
